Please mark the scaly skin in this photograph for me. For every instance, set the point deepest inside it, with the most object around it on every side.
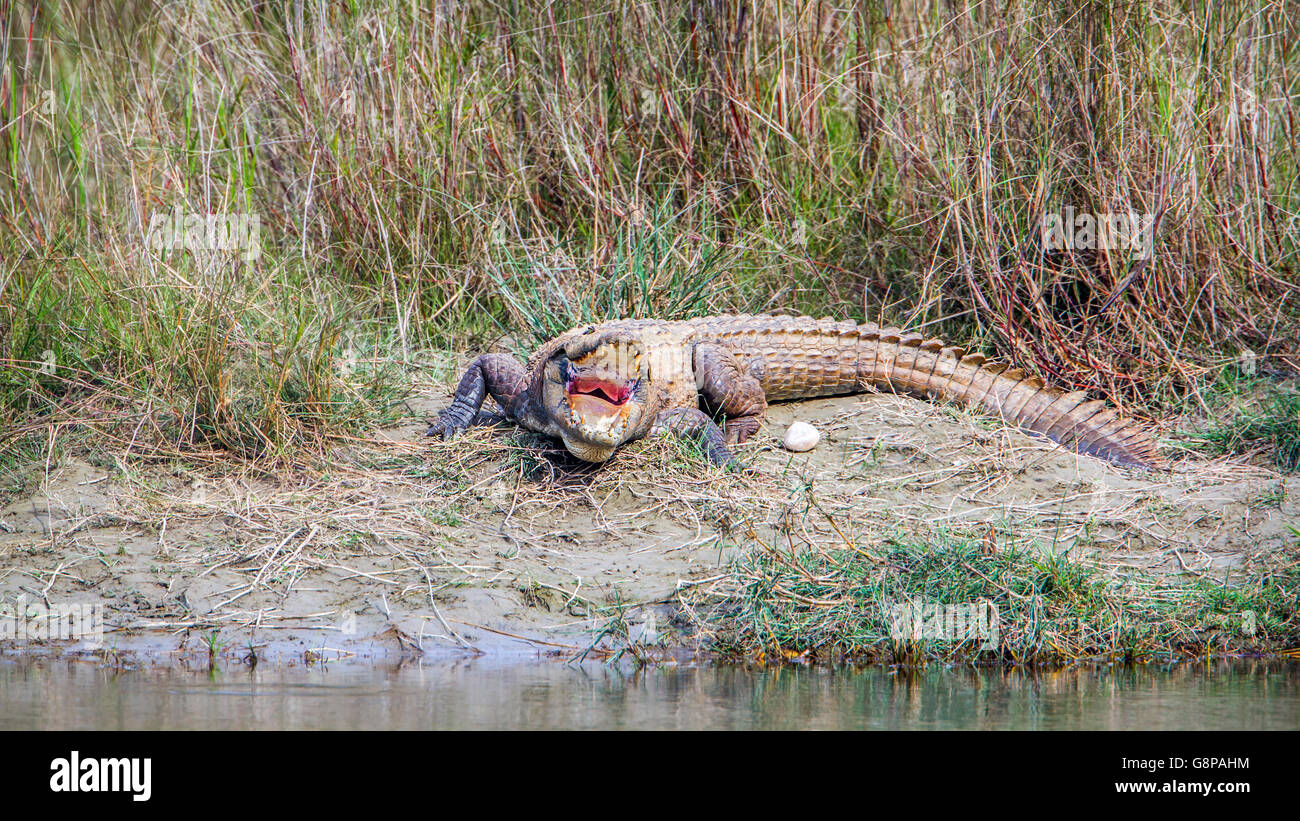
(597, 387)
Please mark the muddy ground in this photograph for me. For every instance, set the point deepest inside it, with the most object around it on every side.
(500, 543)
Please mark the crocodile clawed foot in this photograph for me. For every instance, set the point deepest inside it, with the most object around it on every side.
(740, 429)
(448, 425)
(440, 429)
(451, 423)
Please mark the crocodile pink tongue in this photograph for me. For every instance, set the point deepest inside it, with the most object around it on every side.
(615, 393)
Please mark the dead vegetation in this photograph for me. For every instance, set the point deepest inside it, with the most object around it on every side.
(501, 540)
(426, 176)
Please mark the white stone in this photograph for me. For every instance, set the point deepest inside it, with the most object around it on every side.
(801, 436)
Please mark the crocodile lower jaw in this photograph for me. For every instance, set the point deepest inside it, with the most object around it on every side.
(588, 451)
(599, 422)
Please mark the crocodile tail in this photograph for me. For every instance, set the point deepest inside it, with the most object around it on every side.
(891, 359)
(802, 357)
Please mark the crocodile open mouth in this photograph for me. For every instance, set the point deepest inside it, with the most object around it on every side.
(613, 393)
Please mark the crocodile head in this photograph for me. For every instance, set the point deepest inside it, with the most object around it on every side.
(596, 391)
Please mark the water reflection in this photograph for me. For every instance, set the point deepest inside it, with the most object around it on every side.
(479, 694)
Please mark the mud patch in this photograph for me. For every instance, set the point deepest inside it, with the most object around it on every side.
(500, 543)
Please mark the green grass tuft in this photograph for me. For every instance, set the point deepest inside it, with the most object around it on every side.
(1050, 609)
(1272, 426)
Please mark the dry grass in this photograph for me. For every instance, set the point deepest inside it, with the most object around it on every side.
(429, 175)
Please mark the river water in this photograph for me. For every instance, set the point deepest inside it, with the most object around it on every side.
(543, 695)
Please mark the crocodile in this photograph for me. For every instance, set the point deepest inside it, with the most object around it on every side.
(597, 387)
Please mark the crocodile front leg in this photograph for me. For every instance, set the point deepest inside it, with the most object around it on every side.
(498, 374)
(727, 386)
(695, 423)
